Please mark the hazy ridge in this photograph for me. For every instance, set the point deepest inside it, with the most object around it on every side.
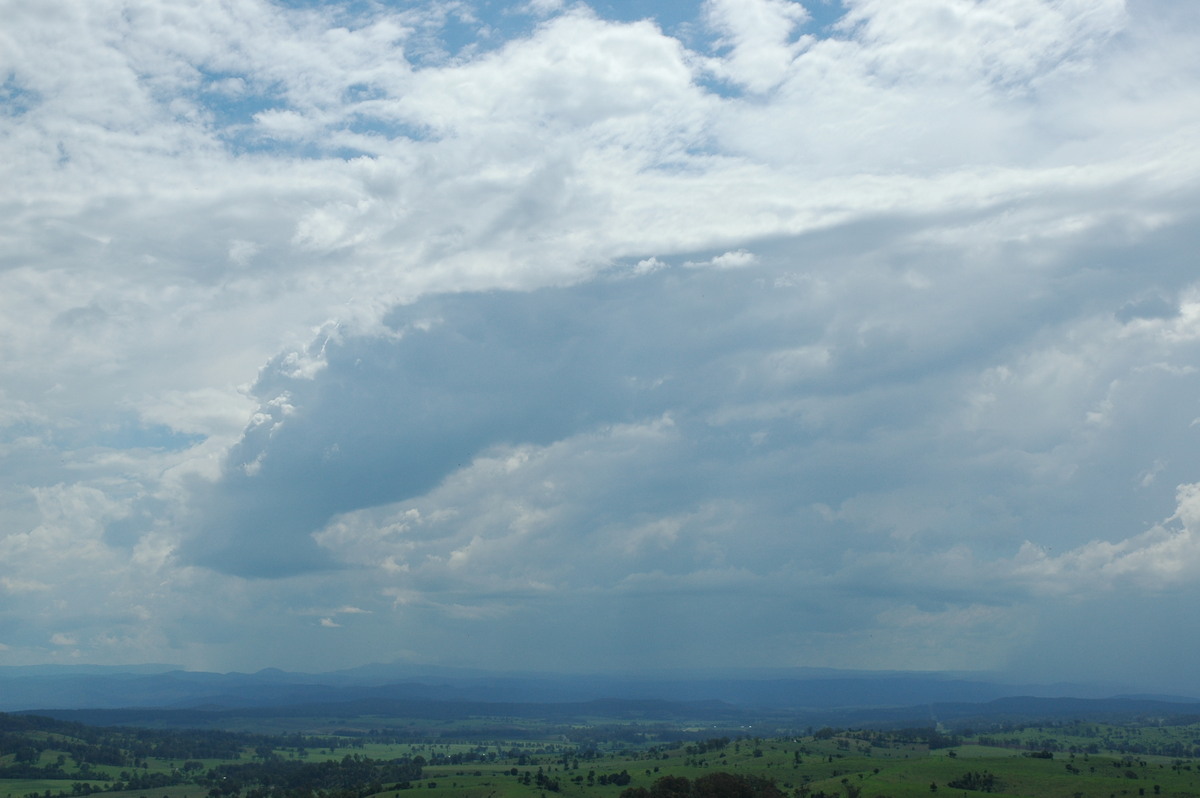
(159, 695)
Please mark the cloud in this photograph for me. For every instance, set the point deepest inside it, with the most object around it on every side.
(1012, 44)
(678, 443)
(1156, 560)
(728, 260)
(758, 35)
(435, 319)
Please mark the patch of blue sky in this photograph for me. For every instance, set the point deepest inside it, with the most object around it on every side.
(249, 140)
(363, 92)
(823, 16)
(469, 29)
(715, 85)
(667, 15)
(453, 41)
(246, 142)
(132, 434)
(340, 153)
(16, 100)
(684, 18)
(389, 129)
(232, 101)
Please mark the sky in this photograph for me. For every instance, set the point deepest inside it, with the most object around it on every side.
(601, 338)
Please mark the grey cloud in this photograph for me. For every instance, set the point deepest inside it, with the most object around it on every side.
(791, 384)
(388, 417)
(823, 441)
(1148, 307)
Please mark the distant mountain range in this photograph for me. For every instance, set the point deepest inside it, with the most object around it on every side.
(802, 696)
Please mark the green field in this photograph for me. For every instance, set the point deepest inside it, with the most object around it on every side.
(341, 760)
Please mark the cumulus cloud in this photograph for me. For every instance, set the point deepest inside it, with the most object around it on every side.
(758, 35)
(727, 260)
(337, 317)
(1158, 559)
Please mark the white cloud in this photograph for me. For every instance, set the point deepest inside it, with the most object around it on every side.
(16, 585)
(544, 7)
(728, 260)
(1011, 43)
(1156, 560)
(758, 34)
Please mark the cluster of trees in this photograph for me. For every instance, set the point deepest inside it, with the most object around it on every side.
(467, 757)
(27, 736)
(704, 746)
(618, 779)
(135, 781)
(1129, 739)
(77, 750)
(353, 776)
(79, 747)
(712, 785)
(981, 782)
(541, 780)
(883, 739)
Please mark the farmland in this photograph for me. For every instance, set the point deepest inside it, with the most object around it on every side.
(603, 758)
